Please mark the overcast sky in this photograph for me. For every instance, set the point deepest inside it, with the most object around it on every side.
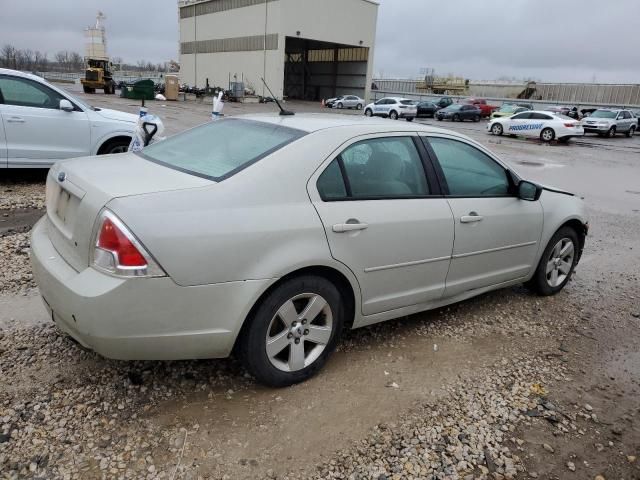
(552, 40)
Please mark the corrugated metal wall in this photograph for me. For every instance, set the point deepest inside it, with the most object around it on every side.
(238, 44)
(214, 6)
(580, 93)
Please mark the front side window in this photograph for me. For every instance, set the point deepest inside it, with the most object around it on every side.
(521, 116)
(375, 169)
(23, 92)
(469, 172)
(222, 148)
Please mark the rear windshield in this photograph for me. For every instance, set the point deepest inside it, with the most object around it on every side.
(604, 114)
(407, 102)
(218, 150)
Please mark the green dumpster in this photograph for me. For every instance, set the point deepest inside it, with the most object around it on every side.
(142, 89)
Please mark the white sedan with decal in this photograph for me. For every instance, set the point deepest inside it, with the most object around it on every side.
(546, 126)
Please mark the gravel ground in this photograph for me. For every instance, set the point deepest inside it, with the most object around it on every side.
(15, 270)
(16, 195)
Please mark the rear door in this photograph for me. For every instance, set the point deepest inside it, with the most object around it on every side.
(496, 233)
(37, 132)
(627, 120)
(384, 219)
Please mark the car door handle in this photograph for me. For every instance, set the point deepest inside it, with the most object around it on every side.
(349, 227)
(15, 120)
(471, 218)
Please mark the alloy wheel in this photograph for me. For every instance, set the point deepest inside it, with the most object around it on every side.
(560, 262)
(299, 332)
(496, 129)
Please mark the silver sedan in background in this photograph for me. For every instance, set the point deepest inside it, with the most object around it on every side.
(272, 245)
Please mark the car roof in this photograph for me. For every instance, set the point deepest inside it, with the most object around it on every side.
(313, 122)
(17, 73)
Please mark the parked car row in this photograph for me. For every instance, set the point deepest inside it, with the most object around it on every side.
(345, 101)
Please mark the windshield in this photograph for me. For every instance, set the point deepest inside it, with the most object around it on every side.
(509, 108)
(218, 150)
(603, 114)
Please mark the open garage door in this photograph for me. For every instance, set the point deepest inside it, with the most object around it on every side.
(315, 70)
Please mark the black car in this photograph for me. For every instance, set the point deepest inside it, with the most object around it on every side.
(459, 113)
(427, 109)
(444, 102)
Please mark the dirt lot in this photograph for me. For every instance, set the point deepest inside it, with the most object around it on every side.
(507, 385)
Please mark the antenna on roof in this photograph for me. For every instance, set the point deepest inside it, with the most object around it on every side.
(282, 110)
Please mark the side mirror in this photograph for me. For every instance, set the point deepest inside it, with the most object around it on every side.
(529, 191)
(66, 105)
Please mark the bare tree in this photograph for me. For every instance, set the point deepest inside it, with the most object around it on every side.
(40, 61)
(25, 59)
(76, 61)
(62, 59)
(8, 55)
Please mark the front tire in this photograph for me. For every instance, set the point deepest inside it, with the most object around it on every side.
(497, 129)
(547, 135)
(114, 147)
(340, 106)
(612, 132)
(368, 112)
(393, 115)
(557, 263)
(293, 331)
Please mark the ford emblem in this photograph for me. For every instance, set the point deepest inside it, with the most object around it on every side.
(62, 176)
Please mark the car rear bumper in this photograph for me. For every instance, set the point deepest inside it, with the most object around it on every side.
(139, 318)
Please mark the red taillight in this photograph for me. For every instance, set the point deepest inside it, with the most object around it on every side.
(113, 240)
(118, 252)
(569, 125)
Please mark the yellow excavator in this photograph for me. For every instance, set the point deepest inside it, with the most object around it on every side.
(98, 76)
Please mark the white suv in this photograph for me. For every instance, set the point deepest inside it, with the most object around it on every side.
(609, 121)
(41, 124)
(392, 107)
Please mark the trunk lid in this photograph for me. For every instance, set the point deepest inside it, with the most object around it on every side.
(78, 189)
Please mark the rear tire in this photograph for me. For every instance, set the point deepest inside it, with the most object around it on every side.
(393, 115)
(476, 118)
(409, 119)
(547, 135)
(631, 132)
(556, 265)
(275, 344)
(456, 118)
(359, 106)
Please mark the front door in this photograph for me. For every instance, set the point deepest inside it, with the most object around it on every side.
(383, 221)
(382, 107)
(37, 132)
(496, 234)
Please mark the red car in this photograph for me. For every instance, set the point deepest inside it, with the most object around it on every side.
(485, 109)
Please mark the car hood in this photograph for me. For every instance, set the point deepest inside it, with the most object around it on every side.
(597, 120)
(117, 115)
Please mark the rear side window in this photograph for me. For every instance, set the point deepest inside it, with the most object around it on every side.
(375, 169)
(219, 149)
(468, 171)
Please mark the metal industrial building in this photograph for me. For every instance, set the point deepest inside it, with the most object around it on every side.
(305, 49)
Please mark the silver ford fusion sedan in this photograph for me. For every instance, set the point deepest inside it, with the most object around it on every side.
(268, 235)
